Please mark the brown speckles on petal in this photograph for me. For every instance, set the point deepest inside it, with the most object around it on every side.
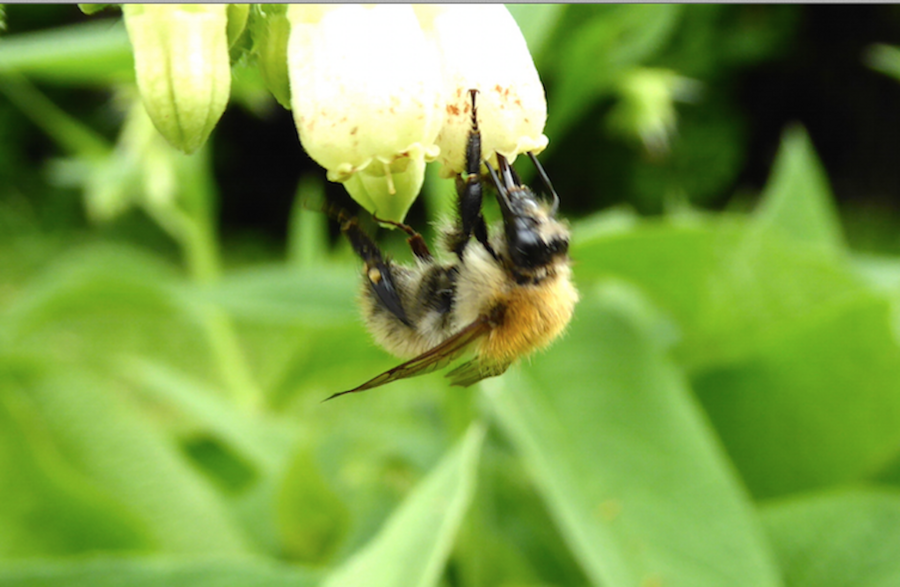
(354, 130)
(452, 109)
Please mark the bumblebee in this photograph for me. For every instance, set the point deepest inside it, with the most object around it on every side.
(503, 294)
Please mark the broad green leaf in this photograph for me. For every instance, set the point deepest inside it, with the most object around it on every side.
(797, 199)
(508, 537)
(265, 442)
(727, 292)
(626, 463)
(764, 287)
(880, 271)
(320, 295)
(413, 546)
(311, 518)
(673, 262)
(103, 436)
(86, 53)
(815, 405)
(46, 506)
(94, 303)
(786, 343)
(156, 572)
(371, 448)
(838, 539)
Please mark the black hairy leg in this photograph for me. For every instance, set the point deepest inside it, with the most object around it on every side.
(469, 192)
(378, 269)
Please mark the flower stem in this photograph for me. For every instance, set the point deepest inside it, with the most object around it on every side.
(197, 241)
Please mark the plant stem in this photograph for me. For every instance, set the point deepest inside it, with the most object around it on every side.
(198, 247)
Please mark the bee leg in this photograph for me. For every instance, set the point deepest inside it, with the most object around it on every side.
(469, 190)
(415, 240)
(378, 270)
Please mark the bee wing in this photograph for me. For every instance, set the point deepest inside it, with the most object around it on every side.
(431, 360)
(474, 371)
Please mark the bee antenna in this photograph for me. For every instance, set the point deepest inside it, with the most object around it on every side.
(501, 188)
(547, 184)
(509, 175)
(495, 179)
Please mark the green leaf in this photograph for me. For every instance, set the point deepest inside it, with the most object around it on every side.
(774, 335)
(729, 287)
(266, 443)
(627, 465)
(46, 506)
(413, 546)
(320, 295)
(95, 303)
(105, 438)
(817, 404)
(837, 539)
(311, 519)
(673, 262)
(797, 200)
(91, 52)
(155, 572)
(508, 537)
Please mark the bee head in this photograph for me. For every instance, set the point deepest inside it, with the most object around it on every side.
(534, 237)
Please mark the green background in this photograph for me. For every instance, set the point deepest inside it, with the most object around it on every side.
(723, 411)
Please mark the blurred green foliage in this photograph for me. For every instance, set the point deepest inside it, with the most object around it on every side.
(724, 411)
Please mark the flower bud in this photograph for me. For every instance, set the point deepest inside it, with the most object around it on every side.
(482, 48)
(182, 68)
(88, 9)
(646, 106)
(271, 30)
(366, 94)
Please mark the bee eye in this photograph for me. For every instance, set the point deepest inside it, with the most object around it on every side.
(526, 247)
(559, 246)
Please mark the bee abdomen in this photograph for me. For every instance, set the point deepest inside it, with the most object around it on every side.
(532, 318)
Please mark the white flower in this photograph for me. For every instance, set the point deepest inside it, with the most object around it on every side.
(379, 90)
(482, 48)
(367, 99)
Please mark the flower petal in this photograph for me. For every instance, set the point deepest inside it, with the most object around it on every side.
(482, 48)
